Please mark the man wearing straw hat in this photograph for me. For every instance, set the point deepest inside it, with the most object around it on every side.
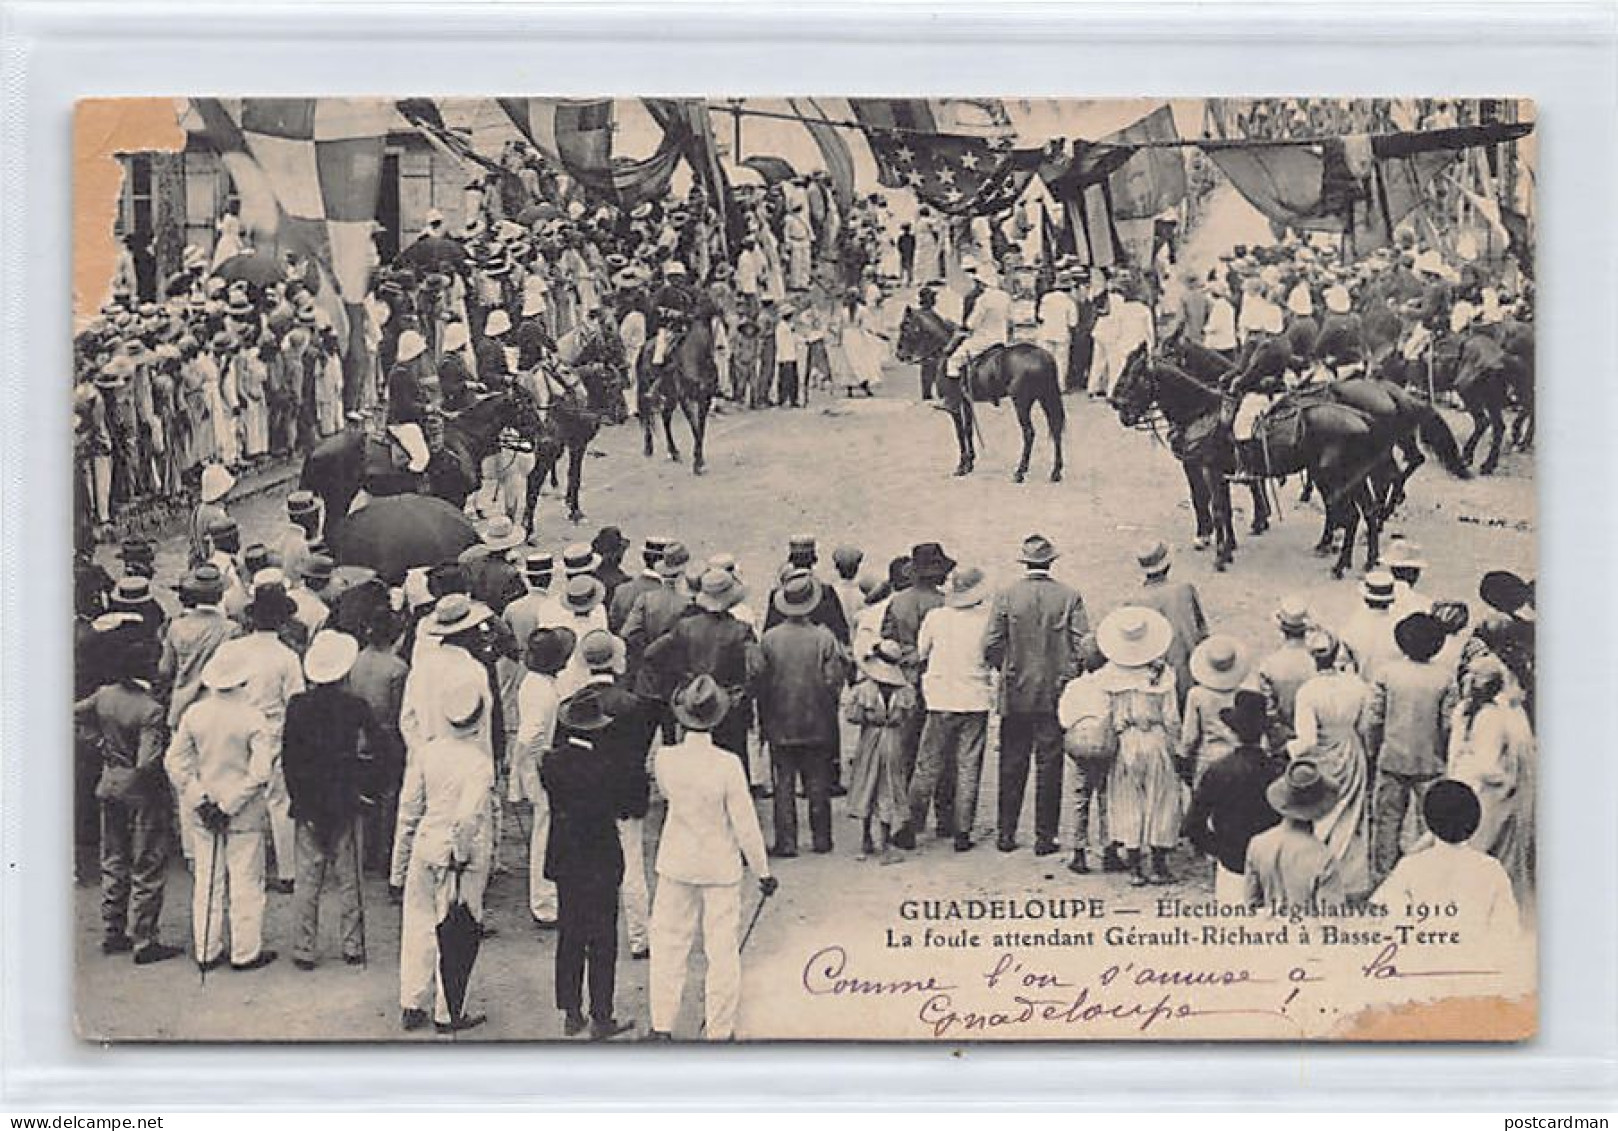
(321, 758)
(1288, 866)
(220, 761)
(710, 829)
(1036, 639)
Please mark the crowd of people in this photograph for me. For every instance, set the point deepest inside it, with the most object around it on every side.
(403, 728)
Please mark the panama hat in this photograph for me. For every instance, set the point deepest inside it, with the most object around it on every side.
(673, 559)
(719, 590)
(701, 704)
(462, 703)
(302, 502)
(583, 593)
(132, 592)
(584, 710)
(798, 595)
(1219, 662)
(601, 651)
(1133, 636)
(541, 564)
(1037, 550)
(1302, 792)
(1403, 554)
(1155, 558)
(1292, 614)
(411, 345)
(966, 588)
(229, 668)
(882, 664)
(216, 482)
(455, 612)
(1377, 588)
(1247, 716)
(579, 558)
(500, 533)
(331, 654)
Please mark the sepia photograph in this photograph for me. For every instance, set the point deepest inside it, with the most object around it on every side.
(673, 569)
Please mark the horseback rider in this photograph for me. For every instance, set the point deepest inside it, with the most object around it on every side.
(1260, 374)
(415, 421)
(985, 323)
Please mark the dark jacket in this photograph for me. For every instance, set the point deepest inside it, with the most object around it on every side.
(1037, 638)
(799, 683)
(584, 784)
(656, 612)
(1229, 807)
(325, 731)
(612, 577)
(902, 622)
(622, 599)
(715, 644)
(828, 613)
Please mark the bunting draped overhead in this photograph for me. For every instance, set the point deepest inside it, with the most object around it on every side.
(577, 134)
(959, 174)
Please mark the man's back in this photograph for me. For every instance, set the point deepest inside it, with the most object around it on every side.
(711, 822)
(800, 682)
(1289, 866)
(1036, 631)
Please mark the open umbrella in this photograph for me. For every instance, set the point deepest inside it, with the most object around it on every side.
(400, 532)
(256, 267)
(434, 253)
(459, 937)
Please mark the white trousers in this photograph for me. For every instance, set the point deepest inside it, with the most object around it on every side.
(542, 892)
(635, 899)
(283, 829)
(234, 863)
(675, 914)
(1230, 888)
(1058, 351)
(427, 892)
(504, 489)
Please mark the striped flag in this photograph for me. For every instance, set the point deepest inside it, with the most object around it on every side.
(833, 148)
(577, 134)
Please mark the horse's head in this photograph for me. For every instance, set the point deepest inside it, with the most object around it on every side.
(1135, 391)
(909, 336)
(921, 335)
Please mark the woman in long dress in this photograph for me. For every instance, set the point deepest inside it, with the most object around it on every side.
(881, 705)
(1326, 717)
(251, 376)
(1491, 749)
(1145, 800)
(864, 344)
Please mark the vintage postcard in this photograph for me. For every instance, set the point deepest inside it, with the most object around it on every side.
(808, 568)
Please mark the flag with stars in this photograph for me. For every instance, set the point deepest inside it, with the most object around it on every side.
(961, 174)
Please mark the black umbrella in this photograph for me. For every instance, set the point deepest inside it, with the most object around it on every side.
(459, 937)
(256, 267)
(434, 253)
(400, 532)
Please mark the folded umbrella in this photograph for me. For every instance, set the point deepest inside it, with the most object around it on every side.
(459, 937)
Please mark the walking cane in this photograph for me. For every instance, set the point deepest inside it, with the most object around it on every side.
(359, 889)
(207, 914)
(753, 922)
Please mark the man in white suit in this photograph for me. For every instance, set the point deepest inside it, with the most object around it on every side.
(711, 827)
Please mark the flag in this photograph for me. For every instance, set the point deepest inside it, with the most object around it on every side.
(423, 113)
(1153, 179)
(577, 134)
(689, 129)
(833, 148)
(774, 170)
(323, 156)
(955, 173)
(260, 214)
(1285, 182)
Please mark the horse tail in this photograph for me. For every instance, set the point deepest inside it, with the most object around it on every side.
(1439, 440)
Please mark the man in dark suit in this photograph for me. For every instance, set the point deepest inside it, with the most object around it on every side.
(1036, 639)
(585, 783)
(802, 556)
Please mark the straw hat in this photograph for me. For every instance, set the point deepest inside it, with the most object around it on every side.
(331, 654)
(228, 668)
(1219, 662)
(1133, 636)
(798, 595)
(216, 482)
(455, 612)
(701, 704)
(1377, 588)
(1155, 558)
(673, 561)
(882, 664)
(720, 590)
(601, 651)
(500, 533)
(583, 593)
(1292, 614)
(967, 588)
(1037, 550)
(1302, 792)
(579, 557)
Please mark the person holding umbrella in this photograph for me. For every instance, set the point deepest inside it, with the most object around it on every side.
(445, 818)
(711, 826)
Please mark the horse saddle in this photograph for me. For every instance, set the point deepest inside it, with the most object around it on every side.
(1202, 439)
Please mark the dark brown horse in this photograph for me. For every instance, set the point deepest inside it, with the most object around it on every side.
(563, 422)
(1491, 368)
(1332, 442)
(677, 370)
(1024, 372)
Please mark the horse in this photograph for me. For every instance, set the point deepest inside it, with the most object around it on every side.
(1022, 371)
(676, 368)
(924, 335)
(563, 421)
(1332, 441)
(340, 466)
(1403, 421)
(1490, 369)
